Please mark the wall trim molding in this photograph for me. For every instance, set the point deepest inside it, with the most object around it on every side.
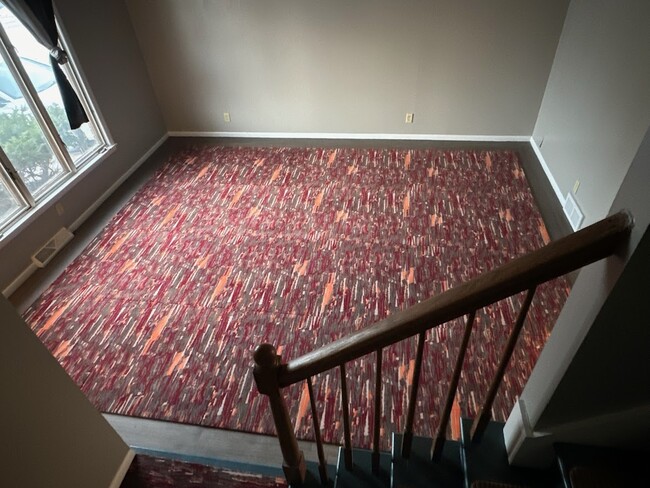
(122, 470)
(547, 171)
(31, 268)
(20, 279)
(73, 179)
(349, 135)
(525, 446)
(90, 210)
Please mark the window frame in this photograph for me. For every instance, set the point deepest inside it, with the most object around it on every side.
(31, 204)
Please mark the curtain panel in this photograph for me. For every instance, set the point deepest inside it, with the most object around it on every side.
(38, 17)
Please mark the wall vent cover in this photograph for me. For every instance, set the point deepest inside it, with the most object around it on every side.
(43, 256)
(573, 212)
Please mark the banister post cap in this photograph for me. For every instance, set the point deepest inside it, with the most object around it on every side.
(265, 355)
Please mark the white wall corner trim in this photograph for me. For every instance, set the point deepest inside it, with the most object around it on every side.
(124, 467)
(348, 135)
(29, 270)
(516, 428)
(525, 446)
(547, 171)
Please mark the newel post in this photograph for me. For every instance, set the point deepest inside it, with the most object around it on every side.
(267, 366)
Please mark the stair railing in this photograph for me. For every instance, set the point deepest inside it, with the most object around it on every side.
(525, 273)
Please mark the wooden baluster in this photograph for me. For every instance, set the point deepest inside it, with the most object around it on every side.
(322, 464)
(267, 365)
(407, 440)
(345, 405)
(441, 436)
(377, 424)
(482, 420)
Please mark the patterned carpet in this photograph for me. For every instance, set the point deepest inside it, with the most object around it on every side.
(156, 472)
(226, 248)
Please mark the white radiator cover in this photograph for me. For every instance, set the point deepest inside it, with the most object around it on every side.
(45, 254)
(573, 212)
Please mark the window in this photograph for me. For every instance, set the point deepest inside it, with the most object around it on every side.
(38, 150)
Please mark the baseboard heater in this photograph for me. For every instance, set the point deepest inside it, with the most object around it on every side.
(45, 254)
(573, 212)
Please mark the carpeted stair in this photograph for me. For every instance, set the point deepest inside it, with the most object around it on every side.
(492, 484)
(161, 472)
(463, 464)
(484, 464)
(600, 467)
(487, 461)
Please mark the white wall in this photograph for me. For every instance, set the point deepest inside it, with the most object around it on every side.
(51, 435)
(596, 107)
(591, 381)
(465, 67)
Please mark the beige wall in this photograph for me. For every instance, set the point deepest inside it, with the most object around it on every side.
(51, 435)
(466, 67)
(596, 108)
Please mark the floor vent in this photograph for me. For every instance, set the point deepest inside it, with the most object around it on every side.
(573, 212)
(43, 256)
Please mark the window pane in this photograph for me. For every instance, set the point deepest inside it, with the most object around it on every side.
(8, 204)
(24, 143)
(36, 61)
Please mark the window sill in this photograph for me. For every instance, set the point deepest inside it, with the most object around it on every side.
(70, 182)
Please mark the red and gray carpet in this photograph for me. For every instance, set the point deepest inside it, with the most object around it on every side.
(226, 248)
(156, 472)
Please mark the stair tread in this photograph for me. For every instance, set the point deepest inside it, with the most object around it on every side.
(419, 470)
(312, 479)
(587, 477)
(588, 466)
(361, 475)
(494, 484)
(487, 461)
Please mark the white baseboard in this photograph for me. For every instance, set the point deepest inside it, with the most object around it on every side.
(29, 270)
(122, 470)
(20, 279)
(347, 135)
(90, 210)
(547, 171)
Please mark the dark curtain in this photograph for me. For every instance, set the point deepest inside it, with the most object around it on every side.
(38, 17)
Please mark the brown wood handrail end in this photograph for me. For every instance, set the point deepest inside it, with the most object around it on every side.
(267, 367)
(267, 364)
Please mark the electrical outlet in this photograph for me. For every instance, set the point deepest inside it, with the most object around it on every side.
(576, 185)
(409, 118)
(59, 209)
(226, 116)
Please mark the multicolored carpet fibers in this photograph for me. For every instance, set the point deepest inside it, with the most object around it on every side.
(227, 248)
(156, 472)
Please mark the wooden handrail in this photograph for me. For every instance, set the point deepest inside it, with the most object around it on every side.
(525, 273)
(555, 259)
